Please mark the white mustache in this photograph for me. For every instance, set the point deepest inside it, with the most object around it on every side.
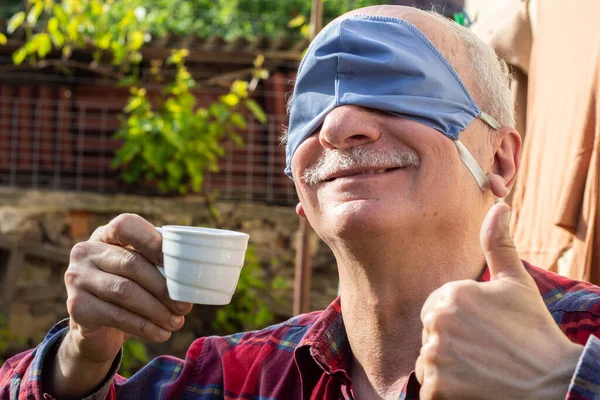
(333, 161)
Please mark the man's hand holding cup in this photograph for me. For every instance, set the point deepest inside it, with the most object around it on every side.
(115, 290)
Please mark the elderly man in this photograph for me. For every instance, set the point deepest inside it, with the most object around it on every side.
(398, 162)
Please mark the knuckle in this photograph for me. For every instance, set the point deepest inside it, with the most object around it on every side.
(119, 317)
(71, 277)
(433, 352)
(124, 290)
(121, 220)
(98, 232)
(458, 292)
(119, 223)
(143, 327)
(438, 320)
(80, 251)
(128, 261)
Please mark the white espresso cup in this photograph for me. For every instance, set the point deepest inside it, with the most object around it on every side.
(202, 265)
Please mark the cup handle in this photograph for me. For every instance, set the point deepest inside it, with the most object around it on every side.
(160, 268)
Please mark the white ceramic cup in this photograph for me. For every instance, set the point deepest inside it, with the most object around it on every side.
(202, 265)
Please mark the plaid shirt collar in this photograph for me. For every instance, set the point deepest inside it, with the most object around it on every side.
(327, 344)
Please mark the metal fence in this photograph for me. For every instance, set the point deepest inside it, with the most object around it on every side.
(60, 137)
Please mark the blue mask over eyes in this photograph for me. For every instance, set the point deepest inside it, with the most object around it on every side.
(383, 63)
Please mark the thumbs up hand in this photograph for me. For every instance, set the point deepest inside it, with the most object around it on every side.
(496, 339)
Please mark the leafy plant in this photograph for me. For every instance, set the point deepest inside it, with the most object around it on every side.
(168, 140)
(7, 337)
(248, 309)
(108, 27)
(226, 18)
(238, 18)
(135, 355)
(174, 143)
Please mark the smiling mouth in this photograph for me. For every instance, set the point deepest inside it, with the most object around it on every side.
(372, 172)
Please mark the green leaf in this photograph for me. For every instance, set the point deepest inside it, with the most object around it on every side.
(104, 41)
(175, 169)
(73, 29)
(45, 45)
(257, 111)
(238, 120)
(240, 88)
(15, 22)
(133, 104)
(305, 30)
(59, 13)
(96, 8)
(128, 151)
(34, 13)
(219, 111)
(262, 74)
(2, 38)
(230, 100)
(19, 56)
(52, 25)
(136, 40)
(130, 80)
(259, 60)
(297, 21)
(237, 139)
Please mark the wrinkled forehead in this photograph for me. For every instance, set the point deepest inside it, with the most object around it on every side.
(382, 63)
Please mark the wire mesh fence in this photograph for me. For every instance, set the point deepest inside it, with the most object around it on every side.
(61, 137)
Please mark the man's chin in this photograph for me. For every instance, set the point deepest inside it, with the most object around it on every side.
(359, 218)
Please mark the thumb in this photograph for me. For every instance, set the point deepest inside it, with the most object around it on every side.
(498, 246)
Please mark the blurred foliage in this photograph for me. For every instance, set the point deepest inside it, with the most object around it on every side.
(10, 7)
(238, 18)
(7, 338)
(175, 142)
(168, 140)
(135, 355)
(248, 310)
(227, 18)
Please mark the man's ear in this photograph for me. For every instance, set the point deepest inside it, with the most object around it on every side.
(507, 152)
(300, 210)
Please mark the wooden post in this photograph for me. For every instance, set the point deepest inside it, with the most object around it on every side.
(316, 18)
(303, 261)
(303, 269)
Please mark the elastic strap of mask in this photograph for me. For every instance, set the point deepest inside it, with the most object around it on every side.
(488, 119)
(472, 165)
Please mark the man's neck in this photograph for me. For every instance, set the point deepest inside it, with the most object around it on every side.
(382, 297)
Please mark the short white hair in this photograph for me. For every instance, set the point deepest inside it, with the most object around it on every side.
(490, 75)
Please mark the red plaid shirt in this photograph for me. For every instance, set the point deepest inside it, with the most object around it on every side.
(304, 358)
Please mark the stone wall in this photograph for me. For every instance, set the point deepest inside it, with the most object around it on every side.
(57, 220)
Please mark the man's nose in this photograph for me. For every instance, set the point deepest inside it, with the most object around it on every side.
(349, 126)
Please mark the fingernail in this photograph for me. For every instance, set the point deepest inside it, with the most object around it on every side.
(163, 334)
(176, 321)
(181, 306)
(161, 259)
